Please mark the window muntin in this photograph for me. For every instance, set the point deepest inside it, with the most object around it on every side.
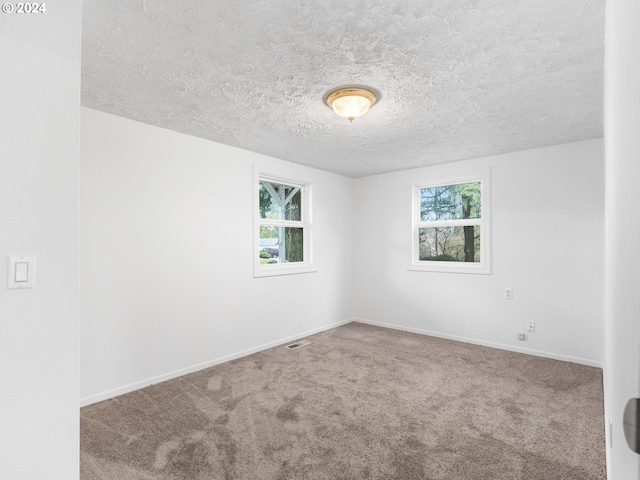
(283, 233)
(450, 225)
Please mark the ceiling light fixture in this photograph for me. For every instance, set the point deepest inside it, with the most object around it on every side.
(351, 102)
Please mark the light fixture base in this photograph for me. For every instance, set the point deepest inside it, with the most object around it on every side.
(351, 102)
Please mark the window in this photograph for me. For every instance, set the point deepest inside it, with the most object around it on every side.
(283, 227)
(451, 225)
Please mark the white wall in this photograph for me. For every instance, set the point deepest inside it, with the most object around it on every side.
(39, 153)
(547, 244)
(166, 240)
(622, 291)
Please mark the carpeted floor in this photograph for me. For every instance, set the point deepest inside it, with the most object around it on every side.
(360, 402)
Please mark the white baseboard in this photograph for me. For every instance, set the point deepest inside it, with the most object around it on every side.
(99, 397)
(501, 346)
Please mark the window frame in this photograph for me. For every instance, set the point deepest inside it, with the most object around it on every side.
(484, 266)
(274, 269)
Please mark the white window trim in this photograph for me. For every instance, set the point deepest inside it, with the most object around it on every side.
(484, 266)
(275, 269)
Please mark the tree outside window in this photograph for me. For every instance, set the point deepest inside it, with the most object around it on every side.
(283, 226)
(451, 227)
(451, 243)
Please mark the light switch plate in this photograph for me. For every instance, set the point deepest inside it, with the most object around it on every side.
(21, 271)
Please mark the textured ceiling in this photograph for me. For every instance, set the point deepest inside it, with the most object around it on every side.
(457, 79)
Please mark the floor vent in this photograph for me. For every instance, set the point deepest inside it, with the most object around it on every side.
(299, 344)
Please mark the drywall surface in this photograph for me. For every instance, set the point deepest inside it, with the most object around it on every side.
(622, 301)
(39, 156)
(547, 245)
(167, 251)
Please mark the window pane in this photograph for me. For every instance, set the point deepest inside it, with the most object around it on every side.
(281, 245)
(449, 244)
(450, 202)
(280, 202)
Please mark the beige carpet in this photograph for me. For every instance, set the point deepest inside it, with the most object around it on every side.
(360, 402)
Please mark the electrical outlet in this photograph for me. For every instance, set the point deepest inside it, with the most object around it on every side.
(531, 326)
(522, 336)
(508, 293)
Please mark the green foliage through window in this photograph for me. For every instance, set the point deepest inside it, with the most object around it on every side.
(448, 230)
(450, 244)
(279, 201)
(450, 202)
(281, 221)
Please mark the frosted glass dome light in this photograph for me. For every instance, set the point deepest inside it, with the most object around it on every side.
(351, 102)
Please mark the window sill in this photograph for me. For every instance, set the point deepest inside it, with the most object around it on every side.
(451, 267)
(282, 269)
